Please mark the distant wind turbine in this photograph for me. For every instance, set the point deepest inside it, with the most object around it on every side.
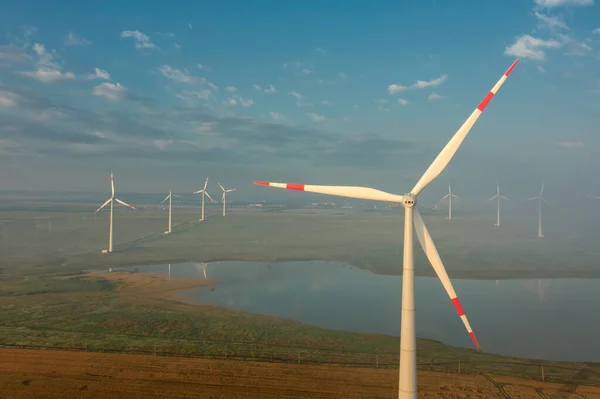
(204, 192)
(170, 198)
(498, 197)
(542, 199)
(449, 196)
(111, 200)
(407, 387)
(224, 197)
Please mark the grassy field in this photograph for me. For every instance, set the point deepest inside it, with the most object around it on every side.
(46, 238)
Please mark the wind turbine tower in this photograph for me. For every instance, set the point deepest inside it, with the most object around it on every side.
(541, 201)
(111, 200)
(224, 197)
(203, 192)
(407, 388)
(498, 197)
(449, 196)
(170, 198)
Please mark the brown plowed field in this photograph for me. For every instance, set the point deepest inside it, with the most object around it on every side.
(61, 374)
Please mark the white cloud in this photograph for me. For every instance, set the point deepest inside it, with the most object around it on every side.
(179, 76)
(419, 84)
(204, 67)
(271, 89)
(188, 95)
(231, 101)
(246, 102)
(112, 91)
(141, 40)
(343, 75)
(541, 68)
(301, 104)
(562, 3)
(190, 26)
(307, 71)
(571, 145)
(231, 89)
(402, 101)
(527, 46)
(394, 88)
(549, 21)
(8, 99)
(276, 116)
(381, 101)
(296, 94)
(99, 74)
(316, 117)
(325, 102)
(74, 40)
(434, 96)
(596, 31)
(47, 75)
(320, 50)
(213, 86)
(574, 47)
(257, 87)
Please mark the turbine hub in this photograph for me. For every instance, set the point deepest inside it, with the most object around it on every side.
(409, 201)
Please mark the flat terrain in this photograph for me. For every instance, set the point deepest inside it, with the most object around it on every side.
(59, 374)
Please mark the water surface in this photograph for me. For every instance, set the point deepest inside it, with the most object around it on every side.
(555, 319)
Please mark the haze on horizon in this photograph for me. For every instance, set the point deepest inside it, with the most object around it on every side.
(168, 95)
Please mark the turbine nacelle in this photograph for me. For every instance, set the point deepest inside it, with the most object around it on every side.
(409, 200)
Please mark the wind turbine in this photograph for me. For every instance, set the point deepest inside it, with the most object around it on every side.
(224, 197)
(449, 196)
(111, 200)
(408, 342)
(204, 192)
(542, 199)
(170, 198)
(498, 197)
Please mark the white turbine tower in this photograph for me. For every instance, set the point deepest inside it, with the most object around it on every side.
(111, 200)
(449, 196)
(497, 197)
(224, 196)
(542, 199)
(170, 198)
(408, 341)
(204, 192)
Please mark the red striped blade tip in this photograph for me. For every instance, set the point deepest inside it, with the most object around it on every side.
(262, 183)
(509, 70)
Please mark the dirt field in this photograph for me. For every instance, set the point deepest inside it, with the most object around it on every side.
(58, 374)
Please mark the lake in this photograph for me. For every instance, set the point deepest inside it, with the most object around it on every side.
(555, 319)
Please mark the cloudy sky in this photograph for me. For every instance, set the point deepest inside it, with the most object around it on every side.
(313, 92)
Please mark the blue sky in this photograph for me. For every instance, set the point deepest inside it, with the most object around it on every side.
(166, 94)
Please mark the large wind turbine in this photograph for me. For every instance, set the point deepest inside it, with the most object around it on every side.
(170, 198)
(498, 197)
(542, 199)
(204, 192)
(408, 341)
(112, 200)
(224, 197)
(449, 196)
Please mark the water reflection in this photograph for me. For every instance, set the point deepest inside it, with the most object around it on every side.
(551, 319)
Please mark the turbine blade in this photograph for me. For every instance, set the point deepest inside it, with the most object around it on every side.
(455, 196)
(544, 199)
(445, 196)
(503, 197)
(532, 198)
(434, 258)
(197, 192)
(166, 198)
(112, 183)
(342, 191)
(205, 184)
(494, 197)
(209, 197)
(230, 190)
(221, 186)
(124, 203)
(103, 205)
(444, 157)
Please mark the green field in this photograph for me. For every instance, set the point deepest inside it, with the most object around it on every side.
(41, 241)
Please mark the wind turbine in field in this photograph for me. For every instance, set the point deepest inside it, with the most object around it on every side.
(542, 199)
(408, 341)
(170, 198)
(224, 197)
(112, 200)
(449, 196)
(204, 192)
(498, 197)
